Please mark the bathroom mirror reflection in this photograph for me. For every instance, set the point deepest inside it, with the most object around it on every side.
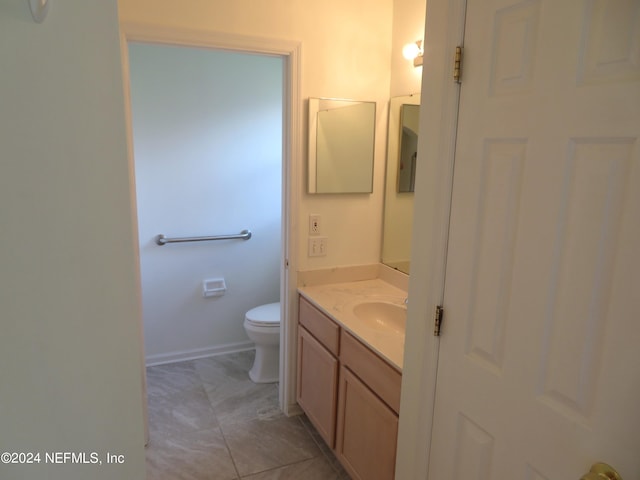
(400, 179)
(408, 152)
(341, 145)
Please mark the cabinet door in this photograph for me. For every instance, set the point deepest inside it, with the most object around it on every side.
(317, 385)
(367, 431)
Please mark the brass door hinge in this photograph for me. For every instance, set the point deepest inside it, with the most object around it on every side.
(438, 321)
(457, 65)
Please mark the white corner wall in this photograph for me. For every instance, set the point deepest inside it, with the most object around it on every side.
(208, 160)
(346, 47)
(70, 353)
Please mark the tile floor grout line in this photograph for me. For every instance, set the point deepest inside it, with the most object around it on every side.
(233, 461)
(325, 450)
(224, 437)
(186, 427)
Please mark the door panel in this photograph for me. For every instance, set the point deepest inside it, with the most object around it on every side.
(515, 31)
(500, 176)
(538, 375)
(367, 431)
(317, 385)
(578, 296)
(609, 45)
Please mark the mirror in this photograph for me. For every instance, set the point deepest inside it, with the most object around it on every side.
(400, 179)
(408, 152)
(341, 145)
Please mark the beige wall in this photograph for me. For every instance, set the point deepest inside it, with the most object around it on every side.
(346, 50)
(408, 26)
(70, 376)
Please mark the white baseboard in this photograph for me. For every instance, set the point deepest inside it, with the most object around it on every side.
(173, 357)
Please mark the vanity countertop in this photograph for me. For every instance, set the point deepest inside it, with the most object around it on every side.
(338, 300)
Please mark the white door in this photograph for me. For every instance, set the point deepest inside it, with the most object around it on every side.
(539, 368)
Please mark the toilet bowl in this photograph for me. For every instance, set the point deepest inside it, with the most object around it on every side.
(262, 325)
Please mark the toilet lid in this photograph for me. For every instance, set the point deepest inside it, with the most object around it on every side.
(265, 314)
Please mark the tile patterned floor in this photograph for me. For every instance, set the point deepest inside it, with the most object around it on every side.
(208, 421)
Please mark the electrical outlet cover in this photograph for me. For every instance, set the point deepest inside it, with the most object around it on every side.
(314, 224)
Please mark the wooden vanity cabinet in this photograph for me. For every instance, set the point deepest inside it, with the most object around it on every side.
(349, 393)
(317, 391)
(368, 405)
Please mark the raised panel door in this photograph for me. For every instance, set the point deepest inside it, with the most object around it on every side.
(538, 373)
(317, 384)
(367, 431)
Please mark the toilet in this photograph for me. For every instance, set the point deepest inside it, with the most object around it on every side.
(262, 325)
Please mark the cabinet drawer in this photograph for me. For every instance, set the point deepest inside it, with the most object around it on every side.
(319, 325)
(381, 377)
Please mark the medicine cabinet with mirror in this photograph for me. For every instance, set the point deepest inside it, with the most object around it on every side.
(402, 147)
(341, 145)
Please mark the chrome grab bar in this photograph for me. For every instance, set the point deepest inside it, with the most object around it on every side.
(163, 240)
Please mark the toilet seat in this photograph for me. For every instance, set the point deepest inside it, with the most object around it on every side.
(264, 315)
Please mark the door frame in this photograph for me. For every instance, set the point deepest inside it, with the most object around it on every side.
(290, 52)
(440, 95)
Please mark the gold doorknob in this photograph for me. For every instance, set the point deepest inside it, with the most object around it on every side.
(602, 471)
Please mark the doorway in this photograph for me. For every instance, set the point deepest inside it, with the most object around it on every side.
(289, 55)
(208, 162)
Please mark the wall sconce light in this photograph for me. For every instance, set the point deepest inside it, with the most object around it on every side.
(413, 51)
(39, 9)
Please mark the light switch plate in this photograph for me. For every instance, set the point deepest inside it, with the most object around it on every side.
(317, 246)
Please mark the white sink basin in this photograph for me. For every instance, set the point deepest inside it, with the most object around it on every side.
(383, 317)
